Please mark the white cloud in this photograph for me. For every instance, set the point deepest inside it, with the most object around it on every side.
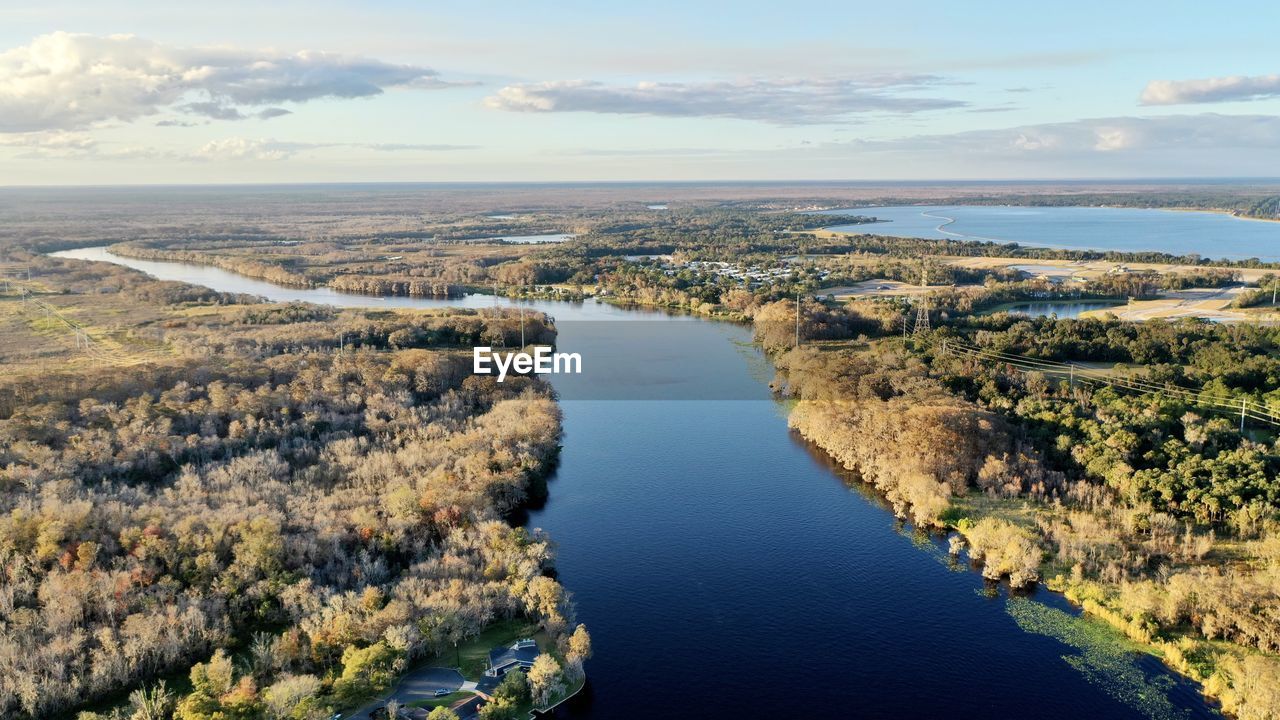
(1168, 134)
(60, 144)
(244, 149)
(776, 101)
(1209, 90)
(65, 81)
(238, 148)
(50, 140)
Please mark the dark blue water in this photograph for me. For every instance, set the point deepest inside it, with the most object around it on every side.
(1211, 235)
(727, 570)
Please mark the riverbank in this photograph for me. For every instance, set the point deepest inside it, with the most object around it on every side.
(613, 511)
(944, 464)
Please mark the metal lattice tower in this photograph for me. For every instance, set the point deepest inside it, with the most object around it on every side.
(922, 309)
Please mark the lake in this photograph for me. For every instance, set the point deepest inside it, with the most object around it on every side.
(1209, 234)
(726, 569)
(1058, 308)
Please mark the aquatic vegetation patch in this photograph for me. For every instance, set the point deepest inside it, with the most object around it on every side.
(1105, 657)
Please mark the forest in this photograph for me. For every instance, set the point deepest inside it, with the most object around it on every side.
(1145, 503)
(316, 498)
(283, 511)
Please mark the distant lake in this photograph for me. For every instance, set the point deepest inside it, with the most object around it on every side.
(1211, 235)
(1059, 308)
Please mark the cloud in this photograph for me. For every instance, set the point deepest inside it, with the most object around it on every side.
(1114, 135)
(223, 111)
(775, 101)
(245, 149)
(643, 152)
(66, 81)
(238, 148)
(58, 144)
(415, 147)
(1210, 90)
(50, 140)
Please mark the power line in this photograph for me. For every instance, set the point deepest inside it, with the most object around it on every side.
(922, 311)
(1245, 408)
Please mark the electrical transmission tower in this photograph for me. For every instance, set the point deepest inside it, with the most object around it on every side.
(922, 309)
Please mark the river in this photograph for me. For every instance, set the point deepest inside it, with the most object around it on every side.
(725, 569)
(1209, 234)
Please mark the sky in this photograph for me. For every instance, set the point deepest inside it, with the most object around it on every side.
(274, 91)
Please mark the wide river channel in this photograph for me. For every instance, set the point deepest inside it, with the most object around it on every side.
(726, 570)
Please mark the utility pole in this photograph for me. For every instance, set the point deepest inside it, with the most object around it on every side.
(797, 318)
(522, 327)
(922, 312)
(1244, 404)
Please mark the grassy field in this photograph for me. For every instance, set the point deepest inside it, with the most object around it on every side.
(36, 335)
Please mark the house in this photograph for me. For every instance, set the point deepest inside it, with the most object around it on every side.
(520, 654)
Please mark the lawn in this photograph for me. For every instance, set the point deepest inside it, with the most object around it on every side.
(472, 656)
(443, 700)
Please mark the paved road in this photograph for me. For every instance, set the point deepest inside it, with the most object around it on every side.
(419, 684)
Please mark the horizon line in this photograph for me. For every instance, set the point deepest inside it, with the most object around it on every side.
(1214, 179)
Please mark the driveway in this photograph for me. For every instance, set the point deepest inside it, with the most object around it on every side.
(420, 684)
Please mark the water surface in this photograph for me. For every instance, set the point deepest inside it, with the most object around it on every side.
(1209, 234)
(726, 570)
(1055, 308)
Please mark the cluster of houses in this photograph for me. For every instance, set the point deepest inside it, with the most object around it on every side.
(750, 275)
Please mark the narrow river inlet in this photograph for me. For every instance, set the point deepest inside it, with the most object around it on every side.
(725, 569)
